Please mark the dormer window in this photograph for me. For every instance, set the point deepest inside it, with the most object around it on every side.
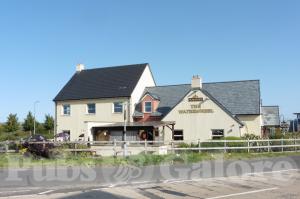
(148, 107)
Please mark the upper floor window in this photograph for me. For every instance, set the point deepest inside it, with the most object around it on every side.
(118, 107)
(148, 107)
(66, 109)
(91, 108)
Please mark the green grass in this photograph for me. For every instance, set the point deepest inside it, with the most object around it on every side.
(17, 160)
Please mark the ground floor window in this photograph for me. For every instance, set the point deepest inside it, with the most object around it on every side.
(217, 134)
(178, 135)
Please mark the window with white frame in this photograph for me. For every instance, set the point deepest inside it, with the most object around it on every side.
(148, 107)
(217, 133)
(91, 108)
(66, 109)
(118, 107)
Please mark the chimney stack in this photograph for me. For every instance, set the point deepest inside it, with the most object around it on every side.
(196, 82)
(79, 68)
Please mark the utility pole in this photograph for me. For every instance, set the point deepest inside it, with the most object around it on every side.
(125, 129)
(34, 113)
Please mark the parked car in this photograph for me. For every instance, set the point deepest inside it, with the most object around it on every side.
(34, 145)
(62, 137)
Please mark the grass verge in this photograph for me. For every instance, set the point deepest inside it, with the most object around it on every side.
(19, 161)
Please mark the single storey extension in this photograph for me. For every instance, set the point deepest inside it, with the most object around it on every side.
(124, 103)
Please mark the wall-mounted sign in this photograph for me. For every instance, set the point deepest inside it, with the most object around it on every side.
(190, 111)
(195, 98)
(195, 109)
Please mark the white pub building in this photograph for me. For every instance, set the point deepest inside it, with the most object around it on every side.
(92, 105)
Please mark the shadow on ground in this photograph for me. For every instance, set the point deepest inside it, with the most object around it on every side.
(94, 194)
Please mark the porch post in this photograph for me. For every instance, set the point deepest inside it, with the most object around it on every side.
(172, 131)
(163, 133)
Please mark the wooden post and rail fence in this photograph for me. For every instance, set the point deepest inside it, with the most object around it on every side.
(223, 146)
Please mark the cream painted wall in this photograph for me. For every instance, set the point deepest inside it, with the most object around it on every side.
(252, 124)
(199, 125)
(76, 122)
(146, 80)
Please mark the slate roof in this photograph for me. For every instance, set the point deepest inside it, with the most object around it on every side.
(270, 115)
(109, 82)
(237, 97)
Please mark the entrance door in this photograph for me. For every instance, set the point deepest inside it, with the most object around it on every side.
(101, 136)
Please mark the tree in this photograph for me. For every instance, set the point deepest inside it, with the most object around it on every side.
(28, 124)
(49, 123)
(1, 128)
(12, 123)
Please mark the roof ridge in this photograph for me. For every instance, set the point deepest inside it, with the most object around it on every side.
(168, 85)
(271, 106)
(118, 66)
(251, 80)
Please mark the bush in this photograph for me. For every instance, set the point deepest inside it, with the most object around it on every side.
(184, 145)
(250, 137)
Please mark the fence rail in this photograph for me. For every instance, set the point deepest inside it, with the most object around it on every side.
(117, 147)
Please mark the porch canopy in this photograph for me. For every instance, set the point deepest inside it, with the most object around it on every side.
(152, 124)
(116, 130)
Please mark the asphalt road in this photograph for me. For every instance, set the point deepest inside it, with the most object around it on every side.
(267, 178)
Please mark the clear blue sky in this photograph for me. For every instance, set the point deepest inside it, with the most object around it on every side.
(42, 41)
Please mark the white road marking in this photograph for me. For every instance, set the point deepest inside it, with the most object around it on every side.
(19, 196)
(243, 193)
(268, 172)
(143, 182)
(20, 191)
(172, 181)
(43, 193)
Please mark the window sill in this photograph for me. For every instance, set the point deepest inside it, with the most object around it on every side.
(118, 113)
(90, 114)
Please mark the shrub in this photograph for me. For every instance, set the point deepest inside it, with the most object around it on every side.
(250, 137)
(184, 145)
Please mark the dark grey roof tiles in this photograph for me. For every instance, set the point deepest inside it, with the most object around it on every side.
(270, 115)
(109, 82)
(239, 97)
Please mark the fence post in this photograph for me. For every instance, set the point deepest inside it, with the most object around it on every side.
(6, 147)
(295, 148)
(145, 146)
(115, 148)
(248, 146)
(269, 145)
(281, 144)
(172, 146)
(225, 146)
(199, 145)
(75, 148)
